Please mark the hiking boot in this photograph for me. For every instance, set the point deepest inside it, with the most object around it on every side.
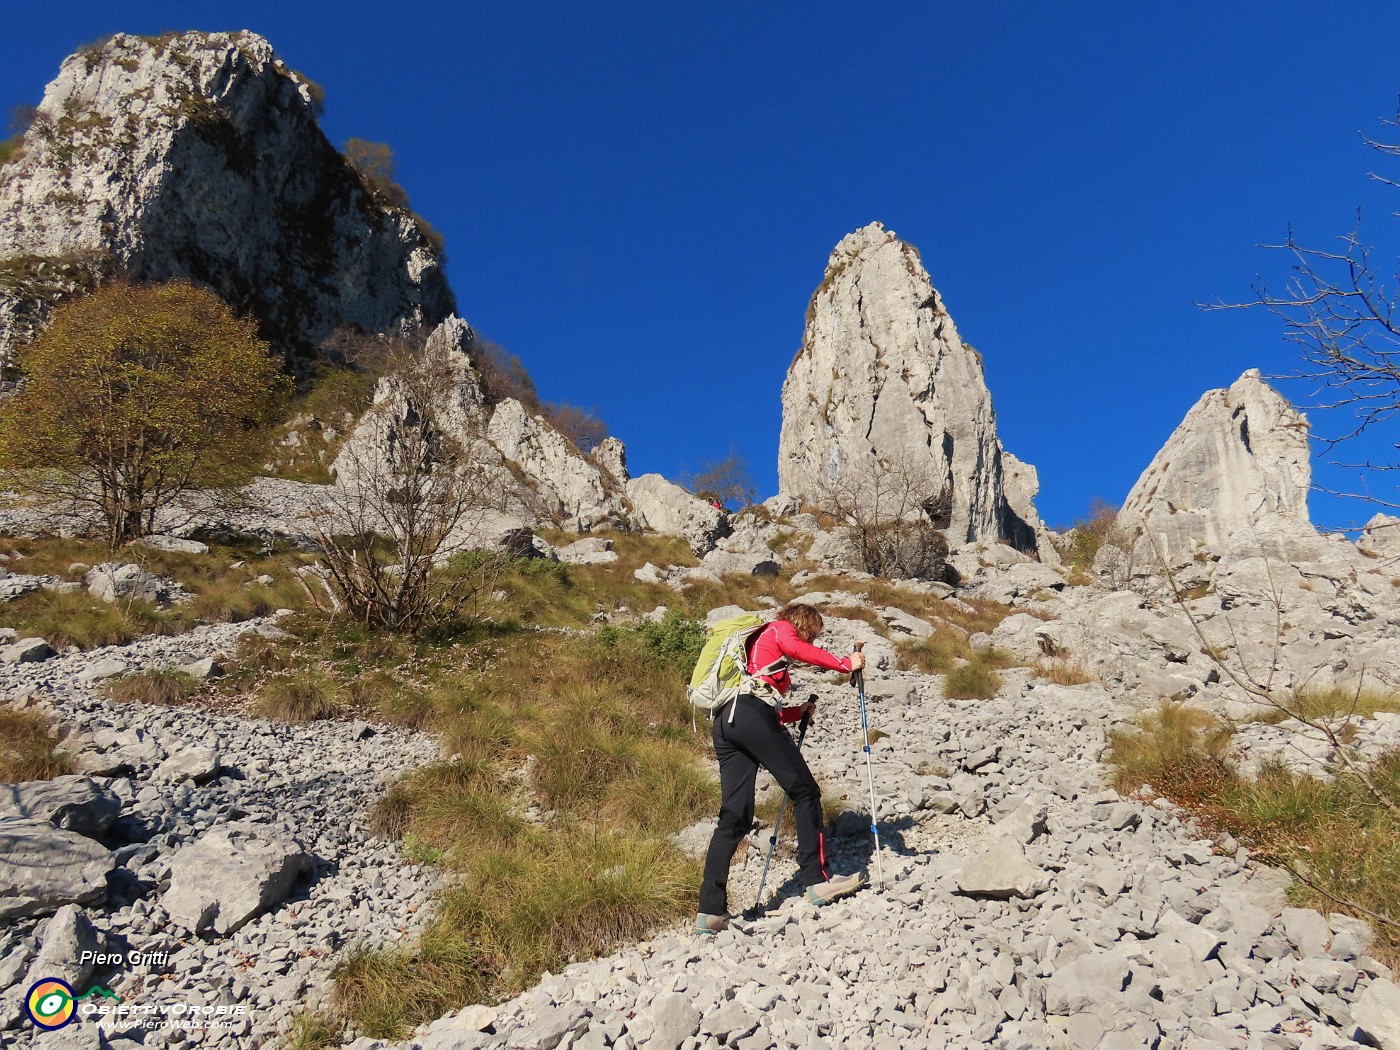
(709, 925)
(840, 886)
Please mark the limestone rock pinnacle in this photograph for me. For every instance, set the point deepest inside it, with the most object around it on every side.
(884, 381)
(1237, 464)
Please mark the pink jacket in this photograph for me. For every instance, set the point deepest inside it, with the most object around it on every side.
(780, 639)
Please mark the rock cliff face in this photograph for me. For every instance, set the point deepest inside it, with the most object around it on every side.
(883, 379)
(199, 156)
(1237, 467)
(537, 473)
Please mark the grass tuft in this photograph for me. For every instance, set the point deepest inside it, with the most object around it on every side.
(28, 750)
(531, 905)
(1060, 671)
(165, 687)
(313, 1030)
(304, 696)
(977, 679)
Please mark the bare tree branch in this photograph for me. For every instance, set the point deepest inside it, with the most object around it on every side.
(407, 504)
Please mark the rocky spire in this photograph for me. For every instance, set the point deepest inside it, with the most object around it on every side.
(883, 377)
(1237, 465)
(538, 475)
(199, 156)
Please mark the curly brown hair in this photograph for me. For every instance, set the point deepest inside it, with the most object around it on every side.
(805, 620)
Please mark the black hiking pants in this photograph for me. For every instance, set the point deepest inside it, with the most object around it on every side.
(755, 738)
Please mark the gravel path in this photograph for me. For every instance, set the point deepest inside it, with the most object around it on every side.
(1023, 906)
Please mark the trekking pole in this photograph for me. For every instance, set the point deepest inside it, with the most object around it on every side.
(858, 680)
(778, 827)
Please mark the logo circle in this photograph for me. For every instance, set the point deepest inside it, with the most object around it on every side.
(49, 1003)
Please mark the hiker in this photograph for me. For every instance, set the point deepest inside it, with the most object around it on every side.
(748, 735)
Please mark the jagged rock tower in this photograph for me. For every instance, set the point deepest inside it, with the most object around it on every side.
(199, 156)
(1236, 468)
(882, 375)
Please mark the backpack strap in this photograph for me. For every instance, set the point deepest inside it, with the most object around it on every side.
(777, 665)
(755, 686)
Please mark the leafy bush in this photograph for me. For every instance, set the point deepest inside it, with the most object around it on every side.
(675, 640)
(135, 395)
(1090, 533)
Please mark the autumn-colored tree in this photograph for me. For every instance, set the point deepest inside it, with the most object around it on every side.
(580, 425)
(375, 163)
(726, 481)
(135, 394)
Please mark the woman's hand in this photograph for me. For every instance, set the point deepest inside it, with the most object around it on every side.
(857, 661)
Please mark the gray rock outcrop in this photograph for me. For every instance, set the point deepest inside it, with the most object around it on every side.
(528, 471)
(231, 876)
(42, 868)
(199, 156)
(1381, 538)
(570, 485)
(1236, 467)
(665, 507)
(884, 383)
(118, 582)
(73, 803)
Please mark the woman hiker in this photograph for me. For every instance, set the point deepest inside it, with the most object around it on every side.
(748, 733)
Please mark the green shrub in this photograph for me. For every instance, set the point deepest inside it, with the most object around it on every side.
(675, 641)
(1088, 534)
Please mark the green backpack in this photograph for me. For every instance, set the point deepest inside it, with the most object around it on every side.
(719, 674)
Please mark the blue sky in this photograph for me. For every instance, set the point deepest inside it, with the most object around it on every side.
(639, 199)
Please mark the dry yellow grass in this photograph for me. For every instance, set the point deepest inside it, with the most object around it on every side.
(28, 749)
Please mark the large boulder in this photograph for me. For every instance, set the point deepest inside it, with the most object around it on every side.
(232, 875)
(199, 156)
(571, 485)
(1236, 467)
(26, 651)
(1381, 537)
(883, 384)
(667, 508)
(123, 582)
(522, 466)
(67, 944)
(42, 868)
(72, 803)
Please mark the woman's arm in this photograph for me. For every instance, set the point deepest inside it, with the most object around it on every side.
(794, 647)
